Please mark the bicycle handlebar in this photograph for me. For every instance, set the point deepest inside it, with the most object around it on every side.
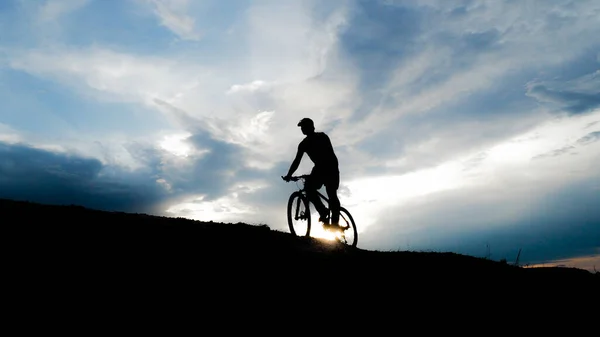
(296, 178)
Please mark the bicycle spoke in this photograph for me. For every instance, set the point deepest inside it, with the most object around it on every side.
(349, 234)
(298, 220)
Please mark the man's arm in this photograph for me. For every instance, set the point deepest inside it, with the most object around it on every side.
(295, 163)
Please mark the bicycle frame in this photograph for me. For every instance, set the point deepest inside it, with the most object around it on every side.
(303, 190)
(302, 212)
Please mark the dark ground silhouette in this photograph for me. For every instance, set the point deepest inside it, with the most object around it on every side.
(59, 252)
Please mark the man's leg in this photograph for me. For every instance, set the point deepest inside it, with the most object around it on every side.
(334, 203)
(331, 186)
(312, 185)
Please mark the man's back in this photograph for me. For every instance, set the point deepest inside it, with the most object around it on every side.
(319, 149)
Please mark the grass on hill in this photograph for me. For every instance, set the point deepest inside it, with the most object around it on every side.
(71, 238)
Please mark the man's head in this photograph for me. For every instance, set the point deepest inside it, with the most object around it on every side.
(306, 125)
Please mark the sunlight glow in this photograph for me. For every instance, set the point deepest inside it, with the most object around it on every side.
(590, 263)
(317, 230)
(251, 130)
(369, 196)
(224, 209)
(175, 144)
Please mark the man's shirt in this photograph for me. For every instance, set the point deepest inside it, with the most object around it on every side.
(319, 150)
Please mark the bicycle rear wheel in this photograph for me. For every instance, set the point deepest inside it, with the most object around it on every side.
(298, 214)
(350, 233)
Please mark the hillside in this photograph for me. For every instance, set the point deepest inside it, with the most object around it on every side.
(74, 245)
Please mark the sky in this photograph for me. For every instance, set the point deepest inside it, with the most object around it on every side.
(464, 126)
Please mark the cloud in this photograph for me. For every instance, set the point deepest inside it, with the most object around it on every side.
(464, 202)
(159, 179)
(572, 149)
(589, 138)
(548, 222)
(248, 87)
(557, 152)
(577, 96)
(108, 75)
(37, 175)
(201, 89)
(455, 86)
(52, 10)
(173, 15)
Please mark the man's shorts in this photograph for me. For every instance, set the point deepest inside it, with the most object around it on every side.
(320, 177)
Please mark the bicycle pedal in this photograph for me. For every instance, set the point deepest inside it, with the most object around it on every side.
(333, 228)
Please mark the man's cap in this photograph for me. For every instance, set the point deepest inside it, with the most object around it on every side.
(306, 122)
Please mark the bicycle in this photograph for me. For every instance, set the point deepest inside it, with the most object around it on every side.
(299, 215)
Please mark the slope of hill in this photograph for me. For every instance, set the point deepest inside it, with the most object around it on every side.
(77, 246)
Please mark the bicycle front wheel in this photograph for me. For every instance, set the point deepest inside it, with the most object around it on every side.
(298, 214)
(350, 234)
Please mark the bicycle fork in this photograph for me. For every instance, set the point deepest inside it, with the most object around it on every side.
(300, 215)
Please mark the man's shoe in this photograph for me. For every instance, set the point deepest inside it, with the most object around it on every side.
(332, 227)
(324, 220)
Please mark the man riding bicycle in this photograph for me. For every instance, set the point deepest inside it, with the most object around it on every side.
(317, 146)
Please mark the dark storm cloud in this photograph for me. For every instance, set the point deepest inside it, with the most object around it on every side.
(563, 224)
(571, 101)
(214, 172)
(37, 175)
(219, 170)
(277, 189)
(577, 91)
(219, 166)
(566, 225)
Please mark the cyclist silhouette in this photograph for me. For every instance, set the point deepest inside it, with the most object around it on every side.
(317, 146)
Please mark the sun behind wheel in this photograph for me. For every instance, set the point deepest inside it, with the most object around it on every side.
(350, 234)
(298, 214)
